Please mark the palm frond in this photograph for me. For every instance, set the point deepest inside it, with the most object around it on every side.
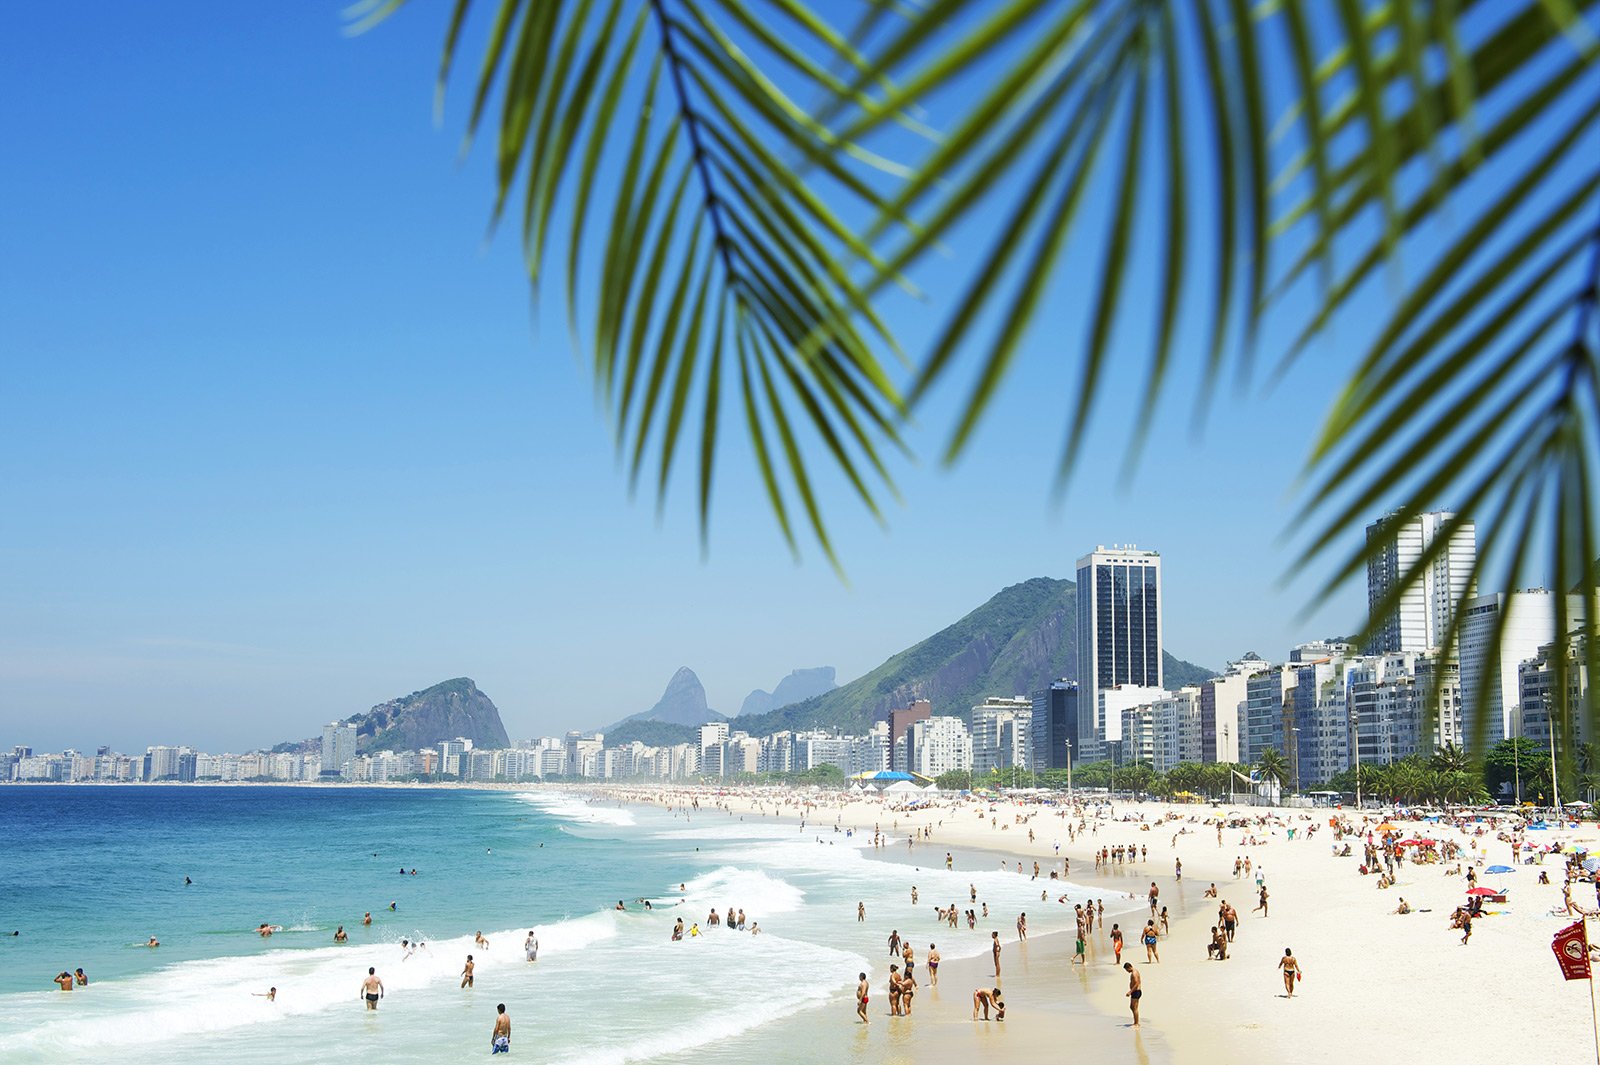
(672, 139)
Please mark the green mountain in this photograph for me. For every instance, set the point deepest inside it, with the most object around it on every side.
(425, 718)
(1017, 642)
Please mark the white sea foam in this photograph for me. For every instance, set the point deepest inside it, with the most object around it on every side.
(569, 808)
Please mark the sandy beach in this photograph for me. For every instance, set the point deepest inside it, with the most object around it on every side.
(1375, 981)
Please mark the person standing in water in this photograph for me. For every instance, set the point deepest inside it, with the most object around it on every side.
(933, 966)
(862, 989)
(372, 988)
(500, 1039)
(531, 944)
(63, 980)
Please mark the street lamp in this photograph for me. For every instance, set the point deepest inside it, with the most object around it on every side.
(1069, 772)
(1295, 732)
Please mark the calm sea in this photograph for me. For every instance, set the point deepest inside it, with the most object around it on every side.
(88, 874)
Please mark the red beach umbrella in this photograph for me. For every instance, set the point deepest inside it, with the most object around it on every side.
(1483, 891)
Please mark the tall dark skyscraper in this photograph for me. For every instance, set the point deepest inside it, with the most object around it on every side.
(1119, 628)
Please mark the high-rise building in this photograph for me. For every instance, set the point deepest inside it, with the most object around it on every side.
(1265, 694)
(338, 748)
(1055, 725)
(1536, 684)
(713, 748)
(1222, 702)
(1420, 620)
(1119, 628)
(900, 720)
(997, 741)
(937, 745)
(1175, 721)
(1526, 622)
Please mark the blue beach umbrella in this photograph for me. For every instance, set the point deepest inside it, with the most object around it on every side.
(1499, 869)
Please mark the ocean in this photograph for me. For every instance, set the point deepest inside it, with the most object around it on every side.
(89, 873)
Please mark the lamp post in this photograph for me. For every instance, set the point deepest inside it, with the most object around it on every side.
(1294, 731)
(1230, 765)
(1069, 772)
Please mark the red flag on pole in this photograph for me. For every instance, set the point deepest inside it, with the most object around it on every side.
(1571, 946)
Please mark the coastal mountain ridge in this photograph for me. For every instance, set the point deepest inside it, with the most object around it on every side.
(798, 685)
(1019, 641)
(682, 703)
(450, 709)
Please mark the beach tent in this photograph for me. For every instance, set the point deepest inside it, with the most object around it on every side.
(900, 787)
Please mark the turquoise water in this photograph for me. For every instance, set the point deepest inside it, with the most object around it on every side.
(87, 874)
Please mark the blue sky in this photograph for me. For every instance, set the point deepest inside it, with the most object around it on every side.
(282, 438)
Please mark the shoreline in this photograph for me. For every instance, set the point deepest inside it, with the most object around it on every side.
(1362, 962)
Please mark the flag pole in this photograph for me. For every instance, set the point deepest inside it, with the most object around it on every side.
(1594, 1011)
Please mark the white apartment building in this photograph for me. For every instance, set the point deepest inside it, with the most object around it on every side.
(938, 745)
(1529, 624)
(1420, 621)
(1000, 730)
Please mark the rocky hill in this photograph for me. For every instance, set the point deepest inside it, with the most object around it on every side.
(682, 703)
(426, 718)
(801, 684)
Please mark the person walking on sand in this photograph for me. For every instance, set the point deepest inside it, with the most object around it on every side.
(372, 988)
(862, 989)
(1291, 971)
(500, 1038)
(994, 942)
(1155, 894)
(1116, 942)
(1466, 926)
(933, 966)
(1262, 904)
(1135, 991)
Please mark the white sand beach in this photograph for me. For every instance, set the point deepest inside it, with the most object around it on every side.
(1375, 982)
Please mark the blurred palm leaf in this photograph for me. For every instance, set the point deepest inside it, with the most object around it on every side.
(710, 266)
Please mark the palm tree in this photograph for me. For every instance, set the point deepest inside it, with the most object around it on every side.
(1273, 766)
(723, 176)
(1452, 759)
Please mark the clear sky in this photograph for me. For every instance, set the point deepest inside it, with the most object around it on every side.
(281, 439)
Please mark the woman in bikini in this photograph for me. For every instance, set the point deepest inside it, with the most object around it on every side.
(1291, 970)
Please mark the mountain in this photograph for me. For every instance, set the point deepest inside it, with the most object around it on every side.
(683, 703)
(1020, 640)
(426, 718)
(801, 684)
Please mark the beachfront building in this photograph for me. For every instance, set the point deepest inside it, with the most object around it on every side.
(901, 719)
(713, 741)
(1175, 728)
(1422, 617)
(1137, 729)
(1000, 733)
(169, 763)
(1386, 708)
(338, 747)
(937, 745)
(1265, 693)
(1317, 721)
(1107, 742)
(1222, 708)
(1536, 689)
(1489, 675)
(1053, 729)
(583, 753)
(1119, 636)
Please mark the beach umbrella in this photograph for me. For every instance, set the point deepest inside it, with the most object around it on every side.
(1387, 827)
(1482, 891)
(1579, 803)
(1591, 864)
(1499, 869)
